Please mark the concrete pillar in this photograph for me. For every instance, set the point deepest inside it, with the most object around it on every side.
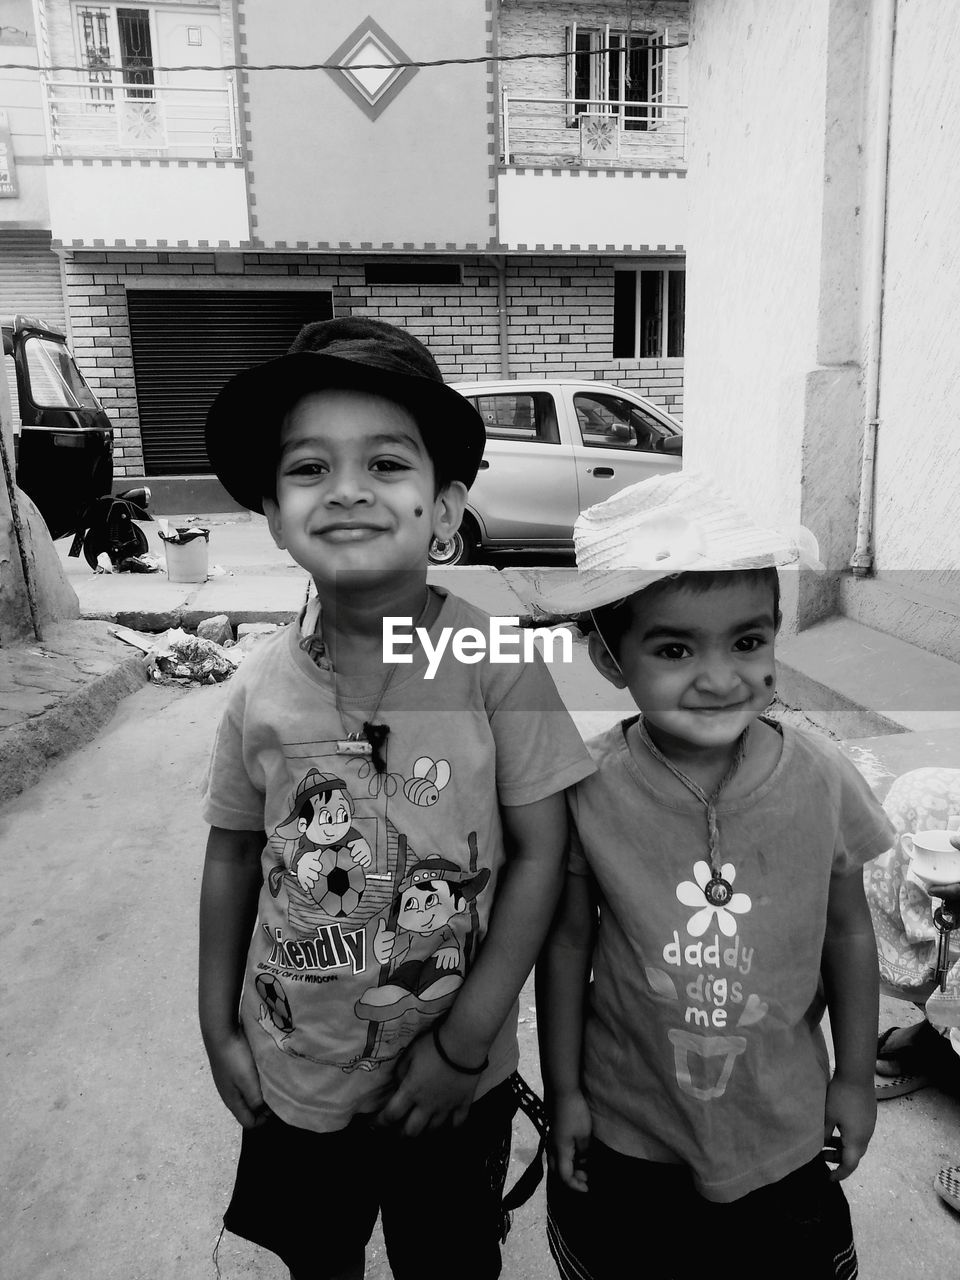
(774, 331)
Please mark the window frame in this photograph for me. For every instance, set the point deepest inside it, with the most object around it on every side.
(106, 82)
(606, 60)
(546, 429)
(635, 412)
(666, 267)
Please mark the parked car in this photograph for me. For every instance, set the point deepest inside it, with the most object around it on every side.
(64, 442)
(553, 448)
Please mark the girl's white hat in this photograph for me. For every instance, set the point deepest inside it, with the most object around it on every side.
(677, 523)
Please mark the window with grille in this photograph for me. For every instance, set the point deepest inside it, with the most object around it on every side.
(111, 37)
(620, 73)
(648, 312)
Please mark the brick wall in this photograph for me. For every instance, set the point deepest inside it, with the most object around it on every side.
(560, 319)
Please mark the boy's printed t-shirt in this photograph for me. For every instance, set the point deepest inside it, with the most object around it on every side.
(702, 1044)
(377, 889)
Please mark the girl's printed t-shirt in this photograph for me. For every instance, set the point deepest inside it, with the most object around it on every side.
(702, 1044)
(377, 887)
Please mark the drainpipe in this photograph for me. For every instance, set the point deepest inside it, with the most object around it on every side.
(881, 66)
(500, 263)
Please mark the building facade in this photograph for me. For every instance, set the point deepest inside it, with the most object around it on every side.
(522, 214)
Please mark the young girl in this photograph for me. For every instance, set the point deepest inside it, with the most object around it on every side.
(714, 890)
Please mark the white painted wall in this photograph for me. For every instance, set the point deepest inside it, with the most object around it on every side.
(757, 75)
(918, 450)
(110, 202)
(608, 209)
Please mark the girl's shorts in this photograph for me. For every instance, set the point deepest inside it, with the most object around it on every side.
(313, 1198)
(644, 1218)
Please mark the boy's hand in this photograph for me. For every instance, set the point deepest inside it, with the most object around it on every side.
(429, 1094)
(237, 1079)
(851, 1109)
(569, 1138)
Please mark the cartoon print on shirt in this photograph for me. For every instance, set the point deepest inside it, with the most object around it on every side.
(704, 1051)
(422, 962)
(428, 780)
(377, 781)
(345, 875)
(331, 853)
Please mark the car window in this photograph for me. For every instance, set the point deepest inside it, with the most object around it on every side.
(528, 416)
(610, 422)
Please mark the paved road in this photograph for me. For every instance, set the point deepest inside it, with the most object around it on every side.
(117, 1153)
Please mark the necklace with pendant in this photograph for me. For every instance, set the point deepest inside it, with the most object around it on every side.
(370, 740)
(717, 891)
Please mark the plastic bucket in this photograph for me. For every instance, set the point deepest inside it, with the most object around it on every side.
(187, 561)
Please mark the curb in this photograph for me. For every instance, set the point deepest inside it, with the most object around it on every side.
(29, 746)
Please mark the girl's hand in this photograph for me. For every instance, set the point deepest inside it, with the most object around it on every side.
(851, 1109)
(569, 1140)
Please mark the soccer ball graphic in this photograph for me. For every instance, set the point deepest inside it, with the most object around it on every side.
(275, 998)
(340, 885)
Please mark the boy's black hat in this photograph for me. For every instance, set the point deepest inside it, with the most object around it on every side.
(243, 423)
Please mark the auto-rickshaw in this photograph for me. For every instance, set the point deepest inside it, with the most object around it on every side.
(64, 447)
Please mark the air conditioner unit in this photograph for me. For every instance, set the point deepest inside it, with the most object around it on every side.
(599, 136)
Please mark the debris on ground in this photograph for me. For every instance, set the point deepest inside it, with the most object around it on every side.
(208, 657)
(179, 657)
(139, 639)
(217, 629)
(145, 563)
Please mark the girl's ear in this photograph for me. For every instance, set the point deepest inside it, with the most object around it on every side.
(604, 661)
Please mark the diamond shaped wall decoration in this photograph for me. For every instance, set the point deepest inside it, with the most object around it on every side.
(372, 89)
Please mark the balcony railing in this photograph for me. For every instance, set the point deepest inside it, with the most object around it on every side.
(597, 134)
(104, 119)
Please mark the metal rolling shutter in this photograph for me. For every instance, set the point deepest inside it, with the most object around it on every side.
(30, 277)
(187, 344)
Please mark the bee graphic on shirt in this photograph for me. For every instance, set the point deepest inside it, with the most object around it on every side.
(429, 779)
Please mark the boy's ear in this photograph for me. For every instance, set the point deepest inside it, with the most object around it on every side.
(272, 511)
(603, 660)
(448, 508)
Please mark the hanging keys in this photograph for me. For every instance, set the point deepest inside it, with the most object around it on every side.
(946, 921)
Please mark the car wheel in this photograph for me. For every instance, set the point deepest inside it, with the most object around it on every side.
(462, 548)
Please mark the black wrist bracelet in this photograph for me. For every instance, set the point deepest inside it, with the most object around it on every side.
(449, 1062)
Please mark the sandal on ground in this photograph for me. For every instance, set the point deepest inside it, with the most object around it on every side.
(913, 1057)
(899, 1086)
(947, 1185)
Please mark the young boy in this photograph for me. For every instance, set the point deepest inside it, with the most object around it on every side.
(714, 881)
(386, 850)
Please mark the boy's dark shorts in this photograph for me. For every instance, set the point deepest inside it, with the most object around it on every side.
(313, 1198)
(642, 1217)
